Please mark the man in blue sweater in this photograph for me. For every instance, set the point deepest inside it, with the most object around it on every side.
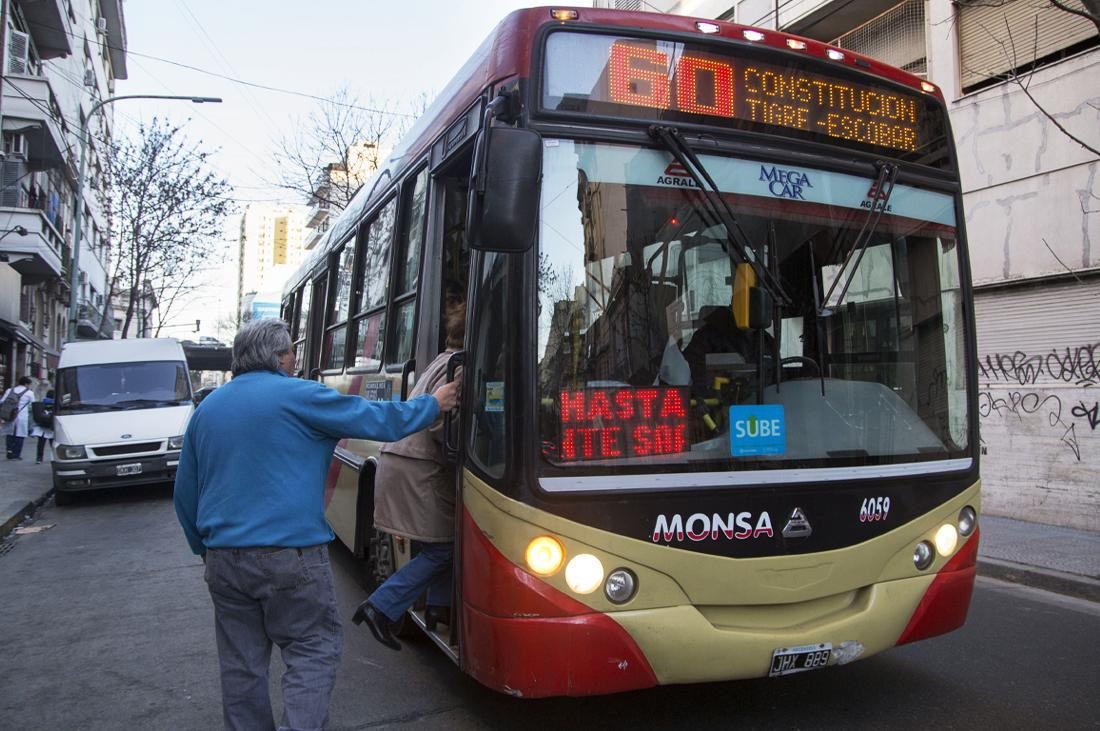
(250, 496)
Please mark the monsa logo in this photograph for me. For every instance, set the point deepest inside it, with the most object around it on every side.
(785, 183)
(700, 527)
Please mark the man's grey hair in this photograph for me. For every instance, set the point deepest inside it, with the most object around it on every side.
(259, 344)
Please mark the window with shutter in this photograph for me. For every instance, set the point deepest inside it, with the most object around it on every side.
(18, 50)
(999, 39)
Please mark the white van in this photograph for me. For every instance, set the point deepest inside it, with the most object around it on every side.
(122, 408)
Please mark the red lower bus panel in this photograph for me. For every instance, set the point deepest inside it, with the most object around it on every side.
(525, 638)
(947, 600)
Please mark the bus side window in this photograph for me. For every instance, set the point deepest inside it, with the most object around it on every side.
(407, 263)
(487, 447)
(370, 326)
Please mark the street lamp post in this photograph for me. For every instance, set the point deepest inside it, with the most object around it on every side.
(74, 269)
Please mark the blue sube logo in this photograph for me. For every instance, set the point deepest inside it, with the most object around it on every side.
(757, 429)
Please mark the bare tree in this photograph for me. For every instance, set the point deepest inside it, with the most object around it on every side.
(332, 150)
(166, 207)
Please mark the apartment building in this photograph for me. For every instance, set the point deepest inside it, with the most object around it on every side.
(271, 246)
(60, 58)
(1022, 82)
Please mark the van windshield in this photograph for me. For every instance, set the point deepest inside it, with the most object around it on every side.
(122, 386)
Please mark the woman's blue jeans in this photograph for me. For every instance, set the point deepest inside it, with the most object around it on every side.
(429, 570)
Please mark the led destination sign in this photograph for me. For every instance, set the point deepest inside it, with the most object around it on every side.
(664, 79)
(613, 423)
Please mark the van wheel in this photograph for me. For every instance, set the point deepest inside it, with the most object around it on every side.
(63, 498)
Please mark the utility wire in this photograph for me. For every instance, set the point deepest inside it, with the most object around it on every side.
(215, 74)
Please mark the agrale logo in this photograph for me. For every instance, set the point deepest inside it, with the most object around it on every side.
(677, 175)
(700, 527)
(785, 183)
(876, 194)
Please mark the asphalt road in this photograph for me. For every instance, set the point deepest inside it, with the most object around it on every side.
(105, 623)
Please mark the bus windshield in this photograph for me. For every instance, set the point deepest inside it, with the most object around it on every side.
(642, 362)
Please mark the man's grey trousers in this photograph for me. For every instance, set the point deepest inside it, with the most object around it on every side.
(282, 596)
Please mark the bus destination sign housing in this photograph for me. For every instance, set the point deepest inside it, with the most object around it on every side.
(743, 88)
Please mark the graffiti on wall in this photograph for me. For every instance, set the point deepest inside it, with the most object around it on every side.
(1020, 404)
(1079, 366)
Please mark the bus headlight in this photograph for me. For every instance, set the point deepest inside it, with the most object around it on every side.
(545, 555)
(584, 573)
(620, 586)
(968, 518)
(923, 555)
(947, 537)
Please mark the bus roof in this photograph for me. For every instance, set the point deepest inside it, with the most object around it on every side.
(89, 352)
(506, 53)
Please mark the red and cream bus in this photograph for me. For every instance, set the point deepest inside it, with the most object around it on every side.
(719, 392)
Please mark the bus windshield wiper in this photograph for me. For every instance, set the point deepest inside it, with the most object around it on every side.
(883, 189)
(671, 139)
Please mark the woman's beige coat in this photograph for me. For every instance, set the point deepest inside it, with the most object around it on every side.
(413, 487)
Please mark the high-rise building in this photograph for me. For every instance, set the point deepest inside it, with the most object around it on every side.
(271, 248)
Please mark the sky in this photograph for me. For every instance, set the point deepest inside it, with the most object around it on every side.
(381, 51)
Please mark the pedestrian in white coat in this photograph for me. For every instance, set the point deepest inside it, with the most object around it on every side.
(17, 428)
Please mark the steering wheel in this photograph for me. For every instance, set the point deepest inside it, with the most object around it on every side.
(802, 361)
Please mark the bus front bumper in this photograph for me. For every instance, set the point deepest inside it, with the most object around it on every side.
(551, 644)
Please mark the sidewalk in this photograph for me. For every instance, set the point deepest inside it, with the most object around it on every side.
(1062, 560)
(23, 486)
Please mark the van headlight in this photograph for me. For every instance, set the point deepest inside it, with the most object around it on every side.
(175, 442)
(71, 451)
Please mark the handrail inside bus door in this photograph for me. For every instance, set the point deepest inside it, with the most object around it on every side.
(451, 444)
(406, 370)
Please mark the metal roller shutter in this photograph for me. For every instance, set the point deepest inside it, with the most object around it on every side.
(1020, 325)
(1036, 28)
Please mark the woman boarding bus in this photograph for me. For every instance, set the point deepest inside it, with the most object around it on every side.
(719, 388)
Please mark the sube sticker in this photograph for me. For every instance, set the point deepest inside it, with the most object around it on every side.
(757, 429)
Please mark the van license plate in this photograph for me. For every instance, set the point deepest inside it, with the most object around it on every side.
(128, 469)
(791, 660)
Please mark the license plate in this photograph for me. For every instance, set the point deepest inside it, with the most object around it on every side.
(791, 660)
(128, 469)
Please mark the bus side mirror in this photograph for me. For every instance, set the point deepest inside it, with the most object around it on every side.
(504, 190)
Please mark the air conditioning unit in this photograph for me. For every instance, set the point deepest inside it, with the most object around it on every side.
(18, 48)
(101, 25)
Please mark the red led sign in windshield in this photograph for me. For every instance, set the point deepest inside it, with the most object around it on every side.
(612, 423)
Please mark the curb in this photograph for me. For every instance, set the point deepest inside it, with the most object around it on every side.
(1060, 582)
(16, 511)
(13, 514)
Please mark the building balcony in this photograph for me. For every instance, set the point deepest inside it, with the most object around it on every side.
(318, 214)
(49, 25)
(313, 238)
(90, 322)
(31, 244)
(41, 139)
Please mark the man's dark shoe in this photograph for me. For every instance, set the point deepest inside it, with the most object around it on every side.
(379, 624)
(436, 614)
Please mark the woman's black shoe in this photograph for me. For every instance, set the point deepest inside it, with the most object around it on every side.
(379, 624)
(436, 614)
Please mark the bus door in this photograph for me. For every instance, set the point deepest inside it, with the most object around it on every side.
(318, 295)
